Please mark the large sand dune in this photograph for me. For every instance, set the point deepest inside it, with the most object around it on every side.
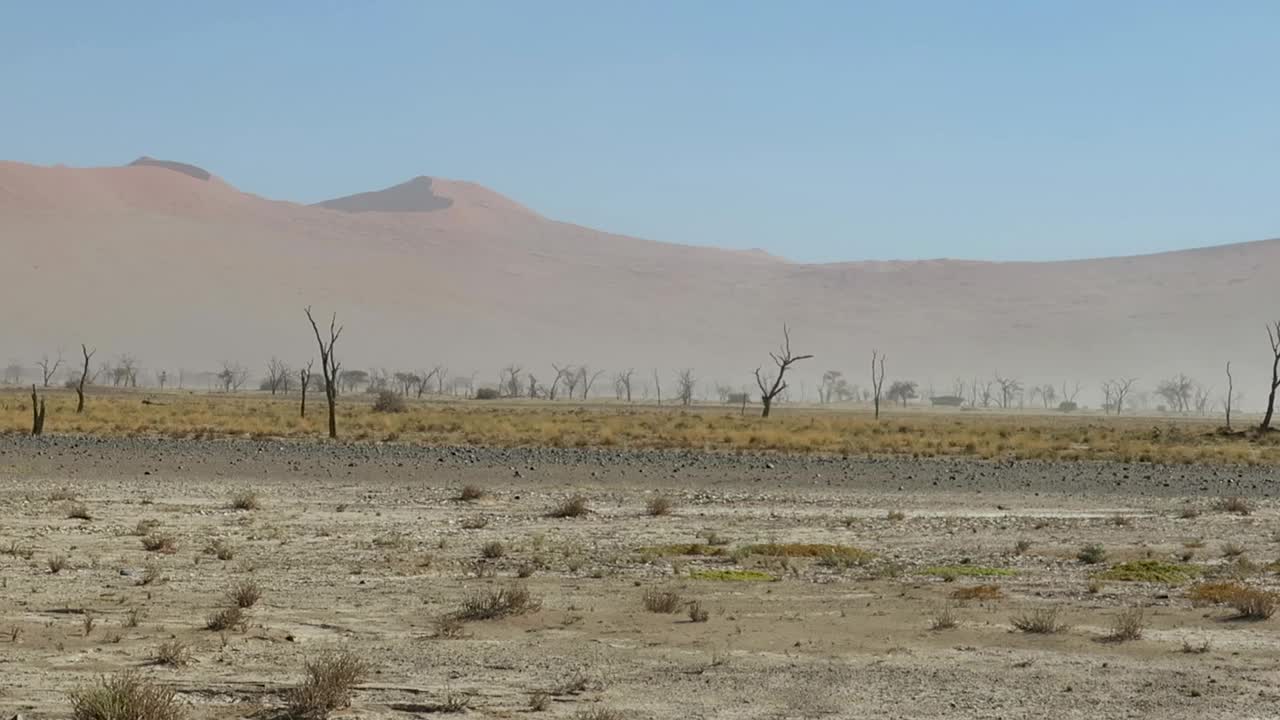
(184, 270)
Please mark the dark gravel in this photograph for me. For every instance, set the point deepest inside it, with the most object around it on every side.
(103, 458)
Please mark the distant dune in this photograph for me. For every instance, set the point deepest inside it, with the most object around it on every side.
(169, 262)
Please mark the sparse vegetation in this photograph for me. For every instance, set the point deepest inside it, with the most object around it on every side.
(58, 563)
(1040, 621)
(494, 603)
(245, 500)
(78, 511)
(661, 601)
(329, 684)
(493, 550)
(231, 618)
(1236, 505)
(978, 592)
(125, 696)
(572, 507)
(944, 618)
(1151, 571)
(159, 542)
(659, 506)
(245, 595)
(697, 613)
(171, 653)
(1128, 625)
(471, 493)
(1092, 554)
(389, 402)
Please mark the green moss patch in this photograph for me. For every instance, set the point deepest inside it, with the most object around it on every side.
(951, 572)
(733, 575)
(1151, 571)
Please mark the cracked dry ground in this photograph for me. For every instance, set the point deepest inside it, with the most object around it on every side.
(365, 548)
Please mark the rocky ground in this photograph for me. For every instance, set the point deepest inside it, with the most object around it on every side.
(366, 548)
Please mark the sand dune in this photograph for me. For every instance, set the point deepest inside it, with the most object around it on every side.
(175, 265)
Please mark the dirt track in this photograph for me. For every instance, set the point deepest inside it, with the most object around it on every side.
(364, 547)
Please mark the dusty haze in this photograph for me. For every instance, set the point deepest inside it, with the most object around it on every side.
(180, 268)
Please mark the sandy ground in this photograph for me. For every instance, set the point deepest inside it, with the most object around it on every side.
(363, 548)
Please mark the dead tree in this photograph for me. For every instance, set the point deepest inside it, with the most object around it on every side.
(588, 379)
(1116, 391)
(128, 371)
(277, 375)
(622, 384)
(1230, 389)
(685, 384)
(1273, 334)
(509, 380)
(1009, 389)
(232, 376)
(657, 384)
(304, 376)
(425, 380)
(329, 367)
(37, 412)
(48, 370)
(84, 377)
(877, 379)
(771, 388)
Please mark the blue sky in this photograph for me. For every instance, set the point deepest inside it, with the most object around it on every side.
(817, 130)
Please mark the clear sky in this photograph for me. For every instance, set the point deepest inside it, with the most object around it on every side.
(816, 130)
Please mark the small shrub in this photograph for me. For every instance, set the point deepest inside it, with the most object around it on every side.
(125, 696)
(493, 550)
(896, 516)
(697, 613)
(221, 550)
(470, 493)
(160, 543)
(87, 622)
(58, 563)
(951, 572)
(494, 603)
(245, 595)
(1153, 571)
(389, 402)
(329, 684)
(1214, 593)
(1121, 520)
(1233, 549)
(62, 495)
(1196, 648)
(146, 527)
(1041, 621)
(151, 575)
(539, 701)
(245, 500)
(1021, 547)
(1092, 554)
(572, 507)
(172, 653)
(133, 618)
(450, 627)
(226, 619)
(978, 592)
(1190, 512)
(944, 618)
(1128, 625)
(1254, 604)
(1237, 505)
(487, 394)
(1095, 585)
(659, 506)
(78, 511)
(661, 601)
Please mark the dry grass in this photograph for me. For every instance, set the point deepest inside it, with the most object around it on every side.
(1237, 505)
(662, 601)
(172, 653)
(1040, 621)
(659, 506)
(493, 603)
(245, 595)
(571, 507)
(928, 434)
(1092, 554)
(329, 684)
(471, 493)
(1128, 625)
(231, 618)
(245, 500)
(539, 701)
(58, 563)
(78, 511)
(1250, 603)
(125, 696)
(944, 618)
(978, 592)
(160, 543)
(697, 613)
(493, 550)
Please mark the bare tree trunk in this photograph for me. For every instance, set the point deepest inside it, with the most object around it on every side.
(88, 354)
(784, 360)
(305, 376)
(329, 366)
(37, 413)
(877, 380)
(1274, 337)
(1230, 390)
(657, 383)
